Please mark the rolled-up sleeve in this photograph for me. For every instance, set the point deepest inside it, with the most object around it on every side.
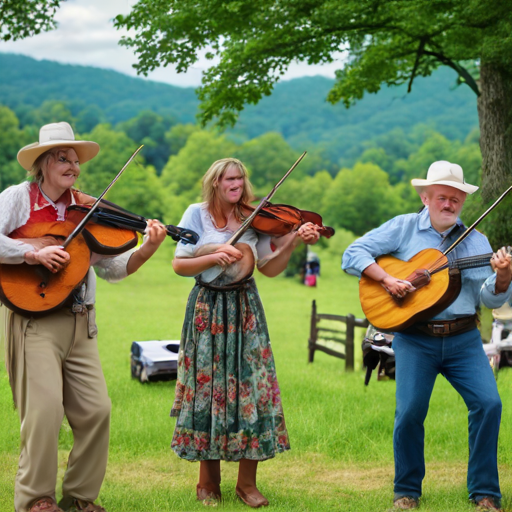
(362, 253)
(113, 269)
(490, 299)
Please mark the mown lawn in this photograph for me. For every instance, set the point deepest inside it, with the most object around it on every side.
(341, 432)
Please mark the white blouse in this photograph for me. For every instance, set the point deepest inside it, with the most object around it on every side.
(198, 219)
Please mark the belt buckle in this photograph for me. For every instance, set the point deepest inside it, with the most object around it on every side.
(78, 308)
(439, 328)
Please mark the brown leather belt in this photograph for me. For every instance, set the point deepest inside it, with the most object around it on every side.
(228, 288)
(448, 327)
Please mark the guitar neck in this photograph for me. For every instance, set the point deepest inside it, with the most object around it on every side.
(481, 260)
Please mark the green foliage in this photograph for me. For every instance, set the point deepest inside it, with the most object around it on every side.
(150, 129)
(306, 193)
(26, 83)
(185, 170)
(12, 140)
(332, 135)
(51, 111)
(360, 199)
(89, 117)
(390, 42)
(137, 190)
(268, 157)
(177, 136)
(19, 20)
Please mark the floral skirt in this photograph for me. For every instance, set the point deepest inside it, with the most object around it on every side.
(227, 403)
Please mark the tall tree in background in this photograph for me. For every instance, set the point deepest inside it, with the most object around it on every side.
(382, 42)
(25, 18)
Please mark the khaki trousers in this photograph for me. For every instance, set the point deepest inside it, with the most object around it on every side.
(58, 373)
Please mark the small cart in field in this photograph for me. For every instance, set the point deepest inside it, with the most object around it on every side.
(154, 360)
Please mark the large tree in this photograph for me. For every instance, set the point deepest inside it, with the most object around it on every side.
(252, 43)
(25, 18)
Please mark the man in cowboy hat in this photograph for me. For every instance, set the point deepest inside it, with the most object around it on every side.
(52, 361)
(449, 343)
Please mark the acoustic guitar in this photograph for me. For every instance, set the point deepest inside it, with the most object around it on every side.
(437, 282)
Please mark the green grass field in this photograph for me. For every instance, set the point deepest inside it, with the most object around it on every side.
(340, 431)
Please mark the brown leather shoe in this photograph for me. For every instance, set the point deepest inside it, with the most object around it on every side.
(405, 503)
(71, 504)
(209, 498)
(487, 503)
(252, 499)
(45, 504)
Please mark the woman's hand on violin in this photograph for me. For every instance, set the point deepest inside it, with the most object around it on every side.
(230, 250)
(53, 257)
(154, 235)
(155, 232)
(223, 259)
(225, 255)
(309, 233)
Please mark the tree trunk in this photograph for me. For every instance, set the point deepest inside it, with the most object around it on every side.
(495, 118)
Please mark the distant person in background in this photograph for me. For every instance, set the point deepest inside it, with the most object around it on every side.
(53, 361)
(449, 343)
(312, 269)
(228, 403)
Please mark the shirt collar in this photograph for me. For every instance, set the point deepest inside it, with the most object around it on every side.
(42, 200)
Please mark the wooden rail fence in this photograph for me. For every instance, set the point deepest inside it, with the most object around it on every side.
(319, 335)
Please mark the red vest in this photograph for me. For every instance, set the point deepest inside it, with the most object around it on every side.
(42, 210)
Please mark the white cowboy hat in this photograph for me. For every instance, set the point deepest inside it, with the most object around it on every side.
(56, 135)
(444, 173)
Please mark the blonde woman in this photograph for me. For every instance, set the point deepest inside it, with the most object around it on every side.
(228, 403)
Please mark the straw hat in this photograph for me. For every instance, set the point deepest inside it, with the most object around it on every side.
(56, 135)
(444, 173)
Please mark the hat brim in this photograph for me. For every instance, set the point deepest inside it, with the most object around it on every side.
(465, 187)
(85, 150)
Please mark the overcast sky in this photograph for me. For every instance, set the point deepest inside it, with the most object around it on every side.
(86, 36)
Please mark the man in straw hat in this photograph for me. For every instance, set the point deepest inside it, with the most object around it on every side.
(449, 343)
(52, 361)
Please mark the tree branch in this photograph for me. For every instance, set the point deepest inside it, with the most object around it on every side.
(461, 71)
(419, 53)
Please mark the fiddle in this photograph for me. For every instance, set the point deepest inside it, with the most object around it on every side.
(113, 229)
(281, 219)
(32, 290)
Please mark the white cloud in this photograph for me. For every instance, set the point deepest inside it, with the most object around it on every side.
(86, 36)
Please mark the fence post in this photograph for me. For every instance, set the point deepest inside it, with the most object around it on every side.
(312, 333)
(349, 343)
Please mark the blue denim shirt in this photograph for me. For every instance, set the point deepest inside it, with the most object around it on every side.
(406, 235)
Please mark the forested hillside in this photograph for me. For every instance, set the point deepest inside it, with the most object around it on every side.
(297, 108)
(359, 160)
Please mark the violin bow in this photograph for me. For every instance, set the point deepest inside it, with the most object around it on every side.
(247, 222)
(475, 224)
(84, 221)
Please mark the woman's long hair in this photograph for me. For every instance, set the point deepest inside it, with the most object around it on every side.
(210, 181)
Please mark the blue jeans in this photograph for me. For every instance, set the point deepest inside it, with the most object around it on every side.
(461, 359)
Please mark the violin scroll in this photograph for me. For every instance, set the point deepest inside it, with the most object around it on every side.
(186, 236)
